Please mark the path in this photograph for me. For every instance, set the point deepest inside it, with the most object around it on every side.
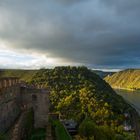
(16, 132)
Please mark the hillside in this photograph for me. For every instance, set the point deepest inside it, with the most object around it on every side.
(127, 79)
(25, 75)
(78, 93)
(103, 74)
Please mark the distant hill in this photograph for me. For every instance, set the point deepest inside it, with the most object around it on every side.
(126, 79)
(25, 75)
(103, 74)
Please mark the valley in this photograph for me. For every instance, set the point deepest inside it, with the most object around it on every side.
(79, 94)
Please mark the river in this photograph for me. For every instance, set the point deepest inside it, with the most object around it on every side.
(131, 96)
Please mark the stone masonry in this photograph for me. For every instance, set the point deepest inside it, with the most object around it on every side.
(16, 97)
(9, 110)
(38, 99)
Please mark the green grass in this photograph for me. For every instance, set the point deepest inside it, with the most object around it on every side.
(33, 134)
(2, 137)
(60, 132)
(38, 134)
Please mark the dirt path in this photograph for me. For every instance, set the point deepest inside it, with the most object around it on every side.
(16, 132)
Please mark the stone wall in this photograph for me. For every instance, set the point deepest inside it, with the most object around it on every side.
(8, 82)
(8, 114)
(14, 98)
(9, 108)
(38, 100)
(41, 109)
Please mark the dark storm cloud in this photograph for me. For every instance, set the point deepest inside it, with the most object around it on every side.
(102, 33)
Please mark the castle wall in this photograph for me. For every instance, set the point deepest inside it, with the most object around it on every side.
(41, 109)
(8, 82)
(8, 114)
(9, 109)
(14, 99)
(38, 100)
(26, 99)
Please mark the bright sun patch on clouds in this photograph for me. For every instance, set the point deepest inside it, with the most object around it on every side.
(11, 58)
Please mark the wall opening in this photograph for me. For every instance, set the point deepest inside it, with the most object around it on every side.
(34, 98)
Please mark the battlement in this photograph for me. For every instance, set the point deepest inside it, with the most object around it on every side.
(6, 82)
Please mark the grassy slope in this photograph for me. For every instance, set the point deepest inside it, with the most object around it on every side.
(127, 79)
(60, 131)
(25, 75)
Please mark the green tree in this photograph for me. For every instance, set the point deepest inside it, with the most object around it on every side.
(87, 128)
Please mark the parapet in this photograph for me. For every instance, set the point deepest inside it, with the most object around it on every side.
(6, 82)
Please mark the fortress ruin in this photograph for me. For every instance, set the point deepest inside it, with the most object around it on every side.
(16, 97)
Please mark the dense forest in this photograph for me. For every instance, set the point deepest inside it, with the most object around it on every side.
(78, 93)
(126, 79)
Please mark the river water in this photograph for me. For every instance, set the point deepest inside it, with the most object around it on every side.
(131, 96)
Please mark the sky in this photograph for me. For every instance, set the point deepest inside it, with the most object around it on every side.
(100, 34)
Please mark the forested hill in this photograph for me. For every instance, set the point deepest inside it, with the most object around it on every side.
(77, 90)
(78, 93)
(25, 75)
(127, 79)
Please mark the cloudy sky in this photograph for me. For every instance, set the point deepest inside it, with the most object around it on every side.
(45, 33)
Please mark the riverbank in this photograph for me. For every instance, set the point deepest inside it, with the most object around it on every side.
(134, 101)
(126, 89)
(132, 97)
